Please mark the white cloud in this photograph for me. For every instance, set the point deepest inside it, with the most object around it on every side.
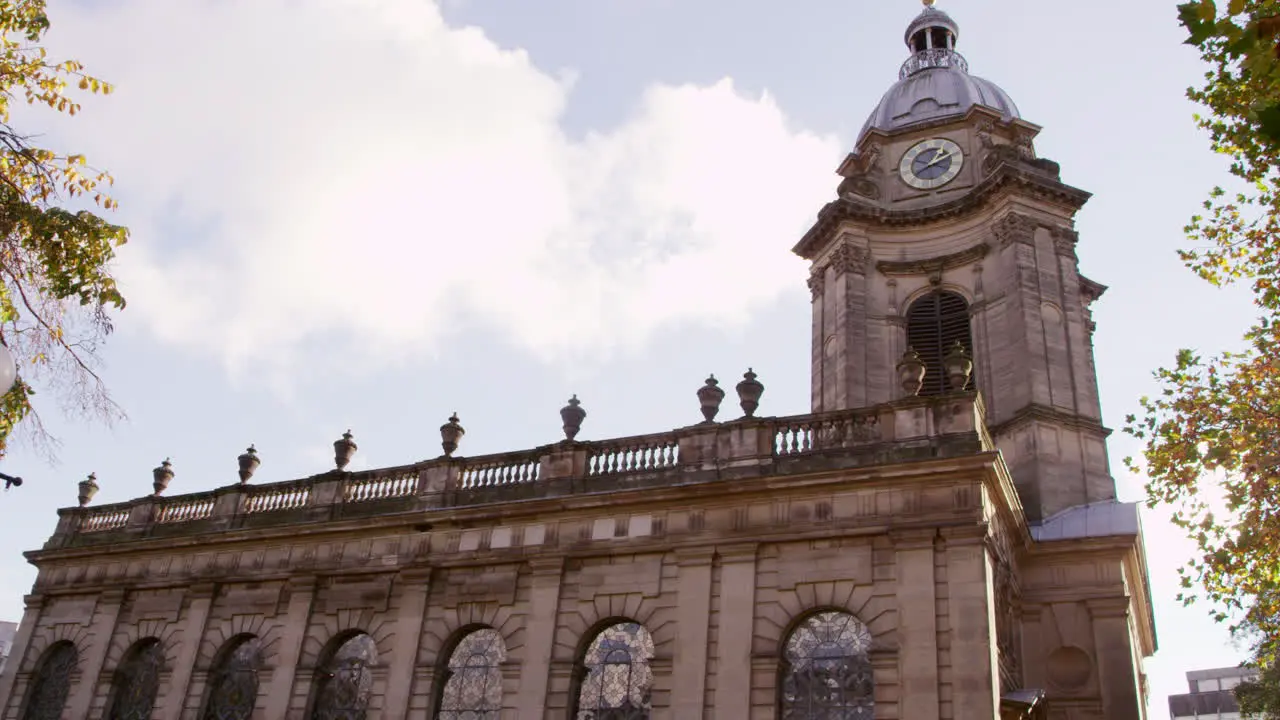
(296, 171)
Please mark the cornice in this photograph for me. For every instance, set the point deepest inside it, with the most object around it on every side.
(1005, 177)
(1049, 414)
(925, 267)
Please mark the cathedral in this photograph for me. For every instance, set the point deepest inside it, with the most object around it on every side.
(939, 539)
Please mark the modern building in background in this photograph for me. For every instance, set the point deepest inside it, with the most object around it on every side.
(1211, 696)
(939, 539)
(7, 632)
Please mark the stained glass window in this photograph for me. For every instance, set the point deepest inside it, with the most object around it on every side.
(828, 670)
(473, 686)
(52, 682)
(137, 680)
(233, 684)
(616, 678)
(346, 680)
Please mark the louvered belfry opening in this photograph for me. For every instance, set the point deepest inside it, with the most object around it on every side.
(934, 323)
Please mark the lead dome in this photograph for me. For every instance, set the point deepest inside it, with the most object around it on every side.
(934, 83)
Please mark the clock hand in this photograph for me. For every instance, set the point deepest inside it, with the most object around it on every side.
(939, 157)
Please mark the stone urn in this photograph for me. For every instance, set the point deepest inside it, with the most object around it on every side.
(161, 476)
(572, 415)
(248, 463)
(88, 488)
(344, 448)
(709, 397)
(749, 392)
(959, 366)
(911, 372)
(451, 434)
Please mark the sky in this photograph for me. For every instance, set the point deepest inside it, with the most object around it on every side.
(369, 214)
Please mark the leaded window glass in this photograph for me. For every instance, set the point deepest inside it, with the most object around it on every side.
(616, 679)
(827, 675)
(137, 681)
(473, 686)
(51, 684)
(346, 681)
(233, 684)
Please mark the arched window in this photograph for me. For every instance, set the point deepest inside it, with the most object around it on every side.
(52, 682)
(614, 679)
(233, 684)
(826, 670)
(137, 680)
(346, 680)
(472, 685)
(935, 323)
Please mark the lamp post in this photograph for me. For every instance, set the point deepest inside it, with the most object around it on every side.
(8, 376)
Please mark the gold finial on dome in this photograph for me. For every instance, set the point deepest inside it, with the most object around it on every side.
(929, 3)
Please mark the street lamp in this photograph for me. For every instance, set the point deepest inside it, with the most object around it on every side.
(8, 376)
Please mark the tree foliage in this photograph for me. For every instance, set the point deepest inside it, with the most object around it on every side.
(56, 287)
(1214, 428)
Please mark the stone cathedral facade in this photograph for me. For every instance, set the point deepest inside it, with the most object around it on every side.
(939, 539)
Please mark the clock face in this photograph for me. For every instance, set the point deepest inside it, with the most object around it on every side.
(931, 164)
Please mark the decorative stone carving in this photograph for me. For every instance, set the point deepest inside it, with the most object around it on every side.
(1024, 144)
(985, 130)
(161, 476)
(1014, 228)
(572, 416)
(709, 397)
(911, 372)
(1064, 241)
(998, 155)
(959, 366)
(450, 434)
(249, 462)
(88, 488)
(861, 185)
(850, 258)
(749, 392)
(343, 450)
(817, 281)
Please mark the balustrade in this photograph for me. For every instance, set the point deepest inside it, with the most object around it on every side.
(381, 486)
(182, 510)
(640, 454)
(284, 496)
(109, 518)
(804, 435)
(500, 470)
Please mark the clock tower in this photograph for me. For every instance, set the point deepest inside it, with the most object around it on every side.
(949, 229)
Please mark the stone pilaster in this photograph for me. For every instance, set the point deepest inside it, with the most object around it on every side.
(279, 692)
(105, 616)
(737, 626)
(18, 654)
(689, 684)
(544, 605)
(917, 624)
(414, 587)
(197, 615)
(974, 677)
(1121, 697)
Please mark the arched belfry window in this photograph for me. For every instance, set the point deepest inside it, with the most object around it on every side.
(233, 684)
(826, 670)
(345, 681)
(52, 683)
(614, 678)
(137, 681)
(935, 322)
(471, 688)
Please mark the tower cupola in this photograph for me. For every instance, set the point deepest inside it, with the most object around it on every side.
(934, 83)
